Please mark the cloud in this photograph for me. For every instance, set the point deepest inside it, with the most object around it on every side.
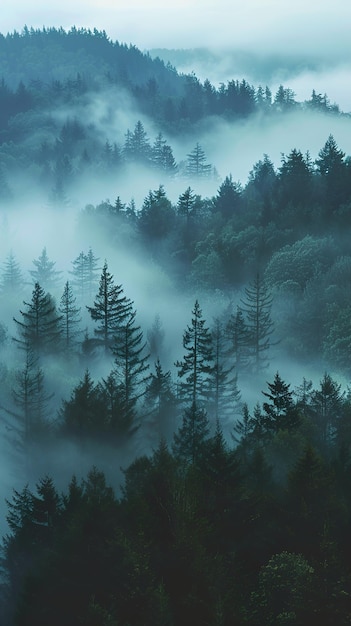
(271, 25)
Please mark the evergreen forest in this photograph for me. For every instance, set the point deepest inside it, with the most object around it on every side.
(175, 399)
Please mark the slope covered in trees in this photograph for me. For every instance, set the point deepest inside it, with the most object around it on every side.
(52, 86)
(235, 503)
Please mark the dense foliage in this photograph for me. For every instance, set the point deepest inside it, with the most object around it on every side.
(235, 504)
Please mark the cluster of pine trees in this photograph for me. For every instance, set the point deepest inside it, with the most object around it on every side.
(114, 408)
(204, 531)
(45, 71)
(289, 224)
(239, 514)
(234, 510)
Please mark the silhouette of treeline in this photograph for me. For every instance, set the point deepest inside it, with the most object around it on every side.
(41, 70)
(203, 531)
(68, 63)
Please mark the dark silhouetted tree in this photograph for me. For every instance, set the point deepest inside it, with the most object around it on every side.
(257, 307)
(189, 440)
(131, 365)
(195, 368)
(70, 320)
(39, 327)
(160, 402)
(110, 311)
(280, 412)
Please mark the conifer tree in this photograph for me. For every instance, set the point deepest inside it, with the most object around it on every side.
(83, 415)
(190, 438)
(155, 338)
(186, 204)
(69, 323)
(137, 146)
(160, 402)
(12, 281)
(238, 345)
(156, 217)
(130, 365)
(224, 395)
(257, 307)
(39, 327)
(228, 198)
(162, 156)
(110, 311)
(332, 169)
(45, 274)
(243, 429)
(197, 363)
(85, 275)
(280, 412)
(196, 166)
(29, 418)
(327, 409)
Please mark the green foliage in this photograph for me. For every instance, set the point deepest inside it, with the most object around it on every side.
(285, 590)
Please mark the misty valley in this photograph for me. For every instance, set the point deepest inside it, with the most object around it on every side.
(175, 409)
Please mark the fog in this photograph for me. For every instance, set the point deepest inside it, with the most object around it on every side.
(313, 44)
(271, 26)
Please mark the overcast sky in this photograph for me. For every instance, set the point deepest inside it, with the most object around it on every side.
(319, 27)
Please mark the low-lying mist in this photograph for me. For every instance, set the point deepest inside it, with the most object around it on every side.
(30, 223)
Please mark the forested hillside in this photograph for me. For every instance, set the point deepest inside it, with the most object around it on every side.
(175, 416)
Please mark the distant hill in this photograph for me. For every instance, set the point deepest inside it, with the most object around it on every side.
(52, 54)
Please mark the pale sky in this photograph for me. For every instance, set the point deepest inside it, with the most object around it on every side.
(281, 25)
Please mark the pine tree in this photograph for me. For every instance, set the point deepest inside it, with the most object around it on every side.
(186, 204)
(119, 422)
(327, 408)
(280, 412)
(39, 327)
(69, 323)
(130, 365)
(29, 418)
(224, 395)
(156, 217)
(257, 306)
(12, 281)
(155, 338)
(45, 274)
(160, 402)
(85, 275)
(137, 146)
(162, 156)
(110, 311)
(190, 438)
(83, 415)
(197, 364)
(333, 172)
(228, 198)
(243, 428)
(238, 335)
(79, 275)
(196, 166)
